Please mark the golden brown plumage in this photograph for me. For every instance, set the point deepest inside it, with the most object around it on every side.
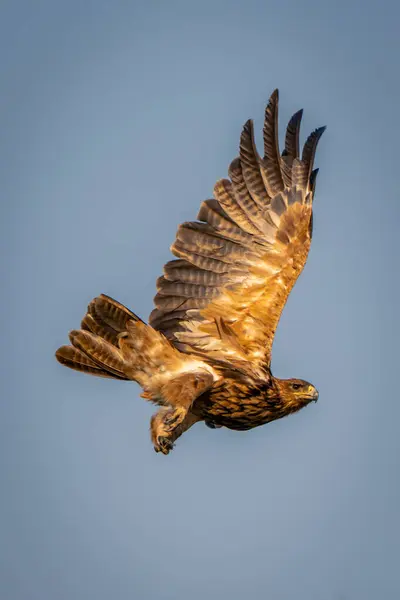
(206, 353)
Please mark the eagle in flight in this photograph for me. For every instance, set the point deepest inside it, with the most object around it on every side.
(205, 354)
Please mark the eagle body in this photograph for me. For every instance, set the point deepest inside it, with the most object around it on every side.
(205, 354)
(237, 405)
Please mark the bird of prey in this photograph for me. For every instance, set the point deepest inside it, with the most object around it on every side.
(205, 354)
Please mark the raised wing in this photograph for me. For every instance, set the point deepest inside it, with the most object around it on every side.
(223, 297)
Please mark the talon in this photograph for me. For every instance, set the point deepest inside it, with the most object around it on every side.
(164, 445)
(174, 417)
(171, 419)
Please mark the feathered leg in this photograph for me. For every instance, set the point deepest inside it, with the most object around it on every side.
(166, 427)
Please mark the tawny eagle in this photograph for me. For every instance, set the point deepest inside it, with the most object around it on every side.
(206, 353)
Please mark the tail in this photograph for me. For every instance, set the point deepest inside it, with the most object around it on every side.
(114, 342)
(95, 347)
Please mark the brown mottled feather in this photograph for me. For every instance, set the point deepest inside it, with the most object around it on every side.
(291, 150)
(252, 168)
(212, 213)
(104, 354)
(224, 193)
(75, 359)
(242, 194)
(271, 162)
(91, 322)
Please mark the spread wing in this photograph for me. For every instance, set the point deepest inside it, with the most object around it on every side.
(223, 297)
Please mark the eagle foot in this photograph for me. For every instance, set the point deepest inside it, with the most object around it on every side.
(163, 444)
(174, 418)
(164, 428)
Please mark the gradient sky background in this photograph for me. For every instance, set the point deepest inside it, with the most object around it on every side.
(116, 120)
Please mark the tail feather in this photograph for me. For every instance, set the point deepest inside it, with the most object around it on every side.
(112, 313)
(75, 359)
(105, 355)
(95, 348)
(92, 323)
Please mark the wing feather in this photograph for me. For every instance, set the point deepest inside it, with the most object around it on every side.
(292, 147)
(212, 213)
(292, 137)
(242, 194)
(271, 162)
(253, 171)
(224, 193)
(223, 297)
(310, 148)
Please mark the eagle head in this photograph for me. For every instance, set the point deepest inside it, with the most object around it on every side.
(296, 392)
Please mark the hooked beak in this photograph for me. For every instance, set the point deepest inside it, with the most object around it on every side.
(313, 394)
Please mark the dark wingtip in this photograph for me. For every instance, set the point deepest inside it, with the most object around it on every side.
(247, 145)
(314, 175)
(310, 147)
(313, 179)
(297, 116)
(274, 96)
(248, 126)
(318, 132)
(292, 136)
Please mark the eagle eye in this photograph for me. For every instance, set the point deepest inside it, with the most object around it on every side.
(296, 386)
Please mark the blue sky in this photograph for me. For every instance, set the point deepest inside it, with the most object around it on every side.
(117, 118)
